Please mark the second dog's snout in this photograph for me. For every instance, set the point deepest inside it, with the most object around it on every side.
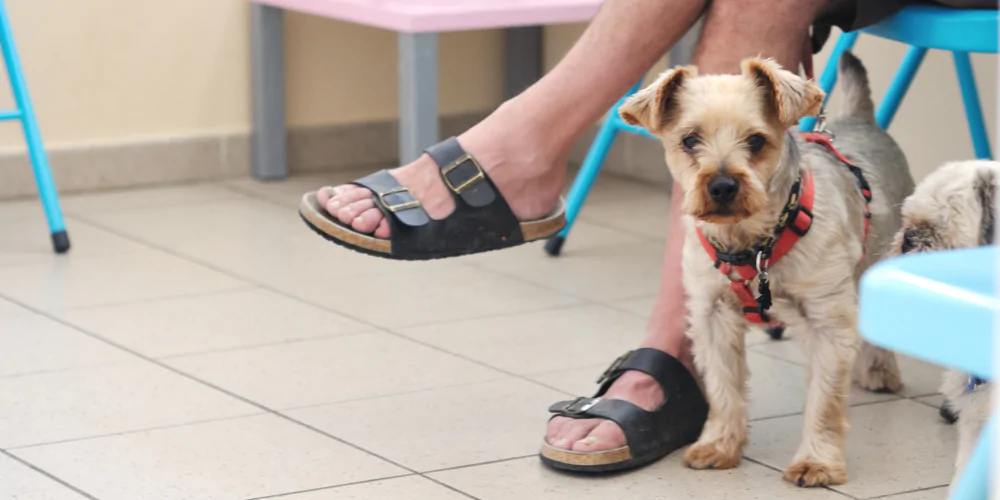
(723, 188)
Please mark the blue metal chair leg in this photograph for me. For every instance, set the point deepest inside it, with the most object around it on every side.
(588, 172)
(829, 77)
(36, 150)
(900, 84)
(974, 483)
(973, 109)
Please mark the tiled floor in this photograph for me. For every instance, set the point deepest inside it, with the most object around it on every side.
(200, 344)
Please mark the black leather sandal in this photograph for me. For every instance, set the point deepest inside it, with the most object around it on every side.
(650, 435)
(482, 220)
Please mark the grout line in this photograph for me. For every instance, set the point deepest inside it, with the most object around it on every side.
(46, 474)
(490, 462)
(137, 431)
(326, 488)
(929, 488)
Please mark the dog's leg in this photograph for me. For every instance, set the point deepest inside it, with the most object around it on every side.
(831, 345)
(877, 370)
(717, 334)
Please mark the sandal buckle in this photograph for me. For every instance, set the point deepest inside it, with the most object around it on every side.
(467, 184)
(574, 409)
(614, 367)
(399, 207)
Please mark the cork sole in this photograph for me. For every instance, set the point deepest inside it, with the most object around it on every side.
(333, 230)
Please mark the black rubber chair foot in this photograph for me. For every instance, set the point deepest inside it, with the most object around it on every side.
(553, 247)
(775, 332)
(60, 242)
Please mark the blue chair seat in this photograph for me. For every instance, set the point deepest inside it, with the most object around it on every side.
(936, 28)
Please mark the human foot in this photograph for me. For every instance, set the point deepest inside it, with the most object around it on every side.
(528, 172)
(651, 407)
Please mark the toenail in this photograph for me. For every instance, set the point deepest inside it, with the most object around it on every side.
(334, 205)
(359, 219)
(589, 441)
(559, 443)
(331, 191)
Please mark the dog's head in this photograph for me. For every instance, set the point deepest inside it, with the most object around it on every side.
(953, 207)
(724, 134)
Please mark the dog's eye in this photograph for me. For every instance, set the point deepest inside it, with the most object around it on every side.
(756, 142)
(689, 142)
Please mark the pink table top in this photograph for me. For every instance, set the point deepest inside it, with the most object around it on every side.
(415, 16)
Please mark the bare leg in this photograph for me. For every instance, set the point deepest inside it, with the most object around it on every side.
(524, 144)
(734, 30)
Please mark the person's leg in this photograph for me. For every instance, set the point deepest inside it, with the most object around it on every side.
(523, 145)
(734, 30)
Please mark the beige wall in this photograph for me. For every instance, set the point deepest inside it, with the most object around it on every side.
(114, 71)
(107, 71)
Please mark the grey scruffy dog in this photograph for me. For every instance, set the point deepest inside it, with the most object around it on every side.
(729, 145)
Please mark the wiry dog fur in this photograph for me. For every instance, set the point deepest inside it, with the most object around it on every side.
(815, 284)
(954, 207)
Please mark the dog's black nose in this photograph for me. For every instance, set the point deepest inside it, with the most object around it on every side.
(723, 188)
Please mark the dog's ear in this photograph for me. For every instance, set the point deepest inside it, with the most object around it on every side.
(986, 193)
(791, 96)
(655, 106)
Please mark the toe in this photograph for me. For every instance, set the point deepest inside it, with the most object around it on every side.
(383, 229)
(367, 221)
(606, 436)
(351, 211)
(345, 196)
(573, 431)
(325, 194)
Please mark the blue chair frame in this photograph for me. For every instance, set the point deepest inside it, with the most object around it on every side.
(922, 27)
(25, 113)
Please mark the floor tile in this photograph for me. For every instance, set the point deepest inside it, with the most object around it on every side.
(74, 283)
(233, 459)
(665, 480)
(641, 307)
(929, 494)
(919, 378)
(643, 216)
(603, 274)
(131, 199)
(28, 242)
(443, 428)
(30, 343)
(20, 482)
(11, 211)
(74, 404)
(576, 382)
(344, 368)
(203, 323)
(559, 339)
(610, 188)
(934, 401)
(584, 236)
(9, 309)
(409, 488)
(421, 297)
(893, 447)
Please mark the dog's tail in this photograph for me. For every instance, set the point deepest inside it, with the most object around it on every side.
(857, 93)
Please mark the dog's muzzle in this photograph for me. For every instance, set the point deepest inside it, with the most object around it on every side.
(723, 189)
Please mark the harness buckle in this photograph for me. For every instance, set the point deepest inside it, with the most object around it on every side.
(820, 126)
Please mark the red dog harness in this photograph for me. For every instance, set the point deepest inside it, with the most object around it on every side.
(794, 223)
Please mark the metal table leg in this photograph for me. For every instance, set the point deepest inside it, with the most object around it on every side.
(418, 94)
(268, 81)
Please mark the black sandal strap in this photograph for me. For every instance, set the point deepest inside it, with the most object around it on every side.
(670, 373)
(394, 200)
(642, 429)
(462, 174)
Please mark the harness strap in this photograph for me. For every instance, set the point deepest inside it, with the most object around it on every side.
(866, 190)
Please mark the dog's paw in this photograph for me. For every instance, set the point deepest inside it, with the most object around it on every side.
(713, 455)
(881, 379)
(809, 473)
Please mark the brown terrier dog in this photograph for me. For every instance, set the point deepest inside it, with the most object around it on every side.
(747, 181)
